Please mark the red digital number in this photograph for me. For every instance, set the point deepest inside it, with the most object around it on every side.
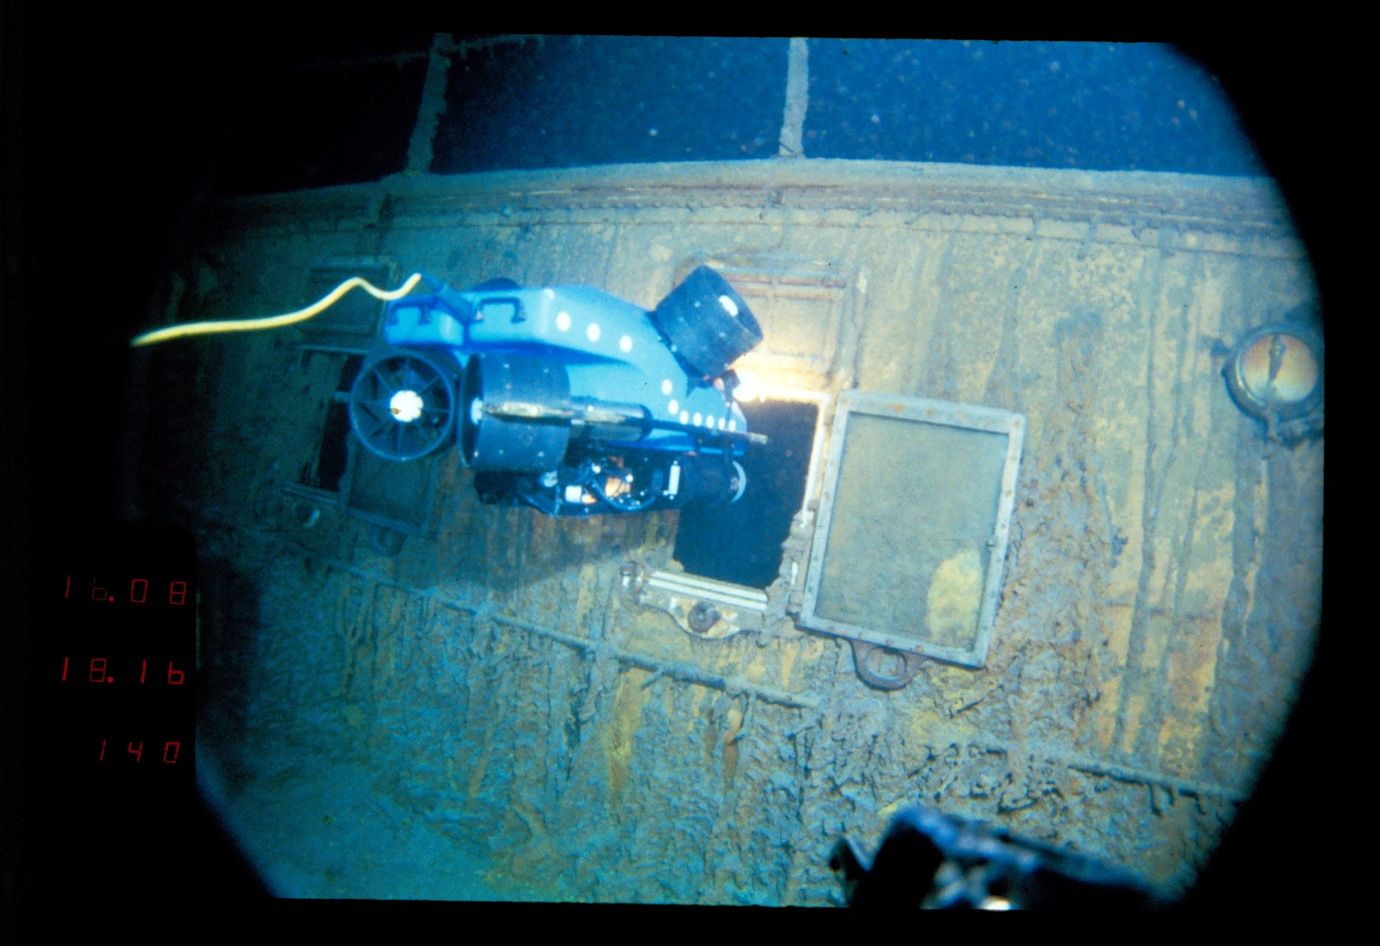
(101, 757)
(175, 677)
(97, 592)
(96, 671)
(67, 591)
(170, 752)
(65, 662)
(177, 593)
(143, 670)
(136, 750)
(138, 590)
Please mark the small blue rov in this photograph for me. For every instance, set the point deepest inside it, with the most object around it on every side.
(566, 398)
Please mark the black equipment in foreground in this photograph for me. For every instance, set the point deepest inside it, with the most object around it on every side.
(930, 860)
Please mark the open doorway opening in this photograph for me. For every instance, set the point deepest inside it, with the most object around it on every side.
(334, 455)
(741, 543)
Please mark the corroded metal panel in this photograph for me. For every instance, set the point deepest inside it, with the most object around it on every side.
(1162, 578)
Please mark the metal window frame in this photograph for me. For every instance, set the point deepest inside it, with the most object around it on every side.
(321, 334)
(942, 413)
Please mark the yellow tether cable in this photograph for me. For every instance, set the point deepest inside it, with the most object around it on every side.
(274, 321)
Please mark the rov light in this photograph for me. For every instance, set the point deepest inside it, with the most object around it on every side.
(406, 406)
(749, 387)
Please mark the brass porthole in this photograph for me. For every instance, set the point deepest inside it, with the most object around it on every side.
(1275, 374)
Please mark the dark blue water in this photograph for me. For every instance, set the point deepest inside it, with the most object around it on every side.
(573, 101)
(1095, 106)
(570, 101)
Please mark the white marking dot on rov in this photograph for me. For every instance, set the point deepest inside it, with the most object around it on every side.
(563, 321)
